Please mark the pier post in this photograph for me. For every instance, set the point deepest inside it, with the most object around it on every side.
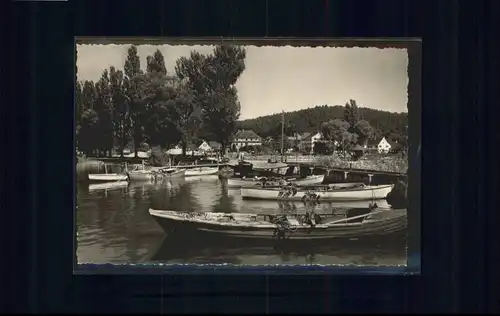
(345, 175)
(370, 179)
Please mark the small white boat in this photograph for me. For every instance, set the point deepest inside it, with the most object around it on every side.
(201, 171)
(149, 175)
(108, 185)
(256, 181)
(208, 178)
(107, 177)
(324, 193)
(372, 222)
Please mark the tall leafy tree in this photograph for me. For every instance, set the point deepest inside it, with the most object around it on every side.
(351, 113)
(133, 84)
(88, 131)
(79, 108)
(104, 109)
(364, 131)
(156, 63)
(157, 93)
(120, 121)
(337, 130)
(183, 112)
(212, 78)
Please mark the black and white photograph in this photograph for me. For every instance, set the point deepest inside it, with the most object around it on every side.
(228, 153)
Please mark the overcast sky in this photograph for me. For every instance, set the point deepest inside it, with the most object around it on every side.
(286, 78)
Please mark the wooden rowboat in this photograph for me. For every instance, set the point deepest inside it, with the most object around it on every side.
(155, 173)
(374, 222)
(108, 185)
(247, 183)
(107, 177)
(326, 193)
(202, 171)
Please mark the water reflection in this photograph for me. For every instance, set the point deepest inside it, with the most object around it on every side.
(114, 226)
(207, 250)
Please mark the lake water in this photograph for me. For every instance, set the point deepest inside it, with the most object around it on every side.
(114, 226)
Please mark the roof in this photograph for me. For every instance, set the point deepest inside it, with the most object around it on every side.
(358, 148)
(393, 144)
(191, 146)
(307, 135)
(246, 134)
(214, 144)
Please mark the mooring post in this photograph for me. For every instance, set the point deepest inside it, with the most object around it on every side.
(370, 179)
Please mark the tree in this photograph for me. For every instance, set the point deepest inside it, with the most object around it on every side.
(121, 124)
(104, 110)
(334, 130)
(79, 108)
(156, 63)
(159, 129)
(212, 79)
(364, 131)
(134, 81)
(88, 130)
(351, 113)
(183, 112)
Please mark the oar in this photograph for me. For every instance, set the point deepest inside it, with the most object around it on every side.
(355, 217)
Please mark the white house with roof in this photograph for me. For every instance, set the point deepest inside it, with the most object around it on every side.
(384, 146)
(204, 147)
(245, 138)
(311, 138)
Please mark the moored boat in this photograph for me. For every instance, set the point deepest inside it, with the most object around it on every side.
(373, 222)
(154, 173)
(201, 171)
(271, 181)
(107, 177)
(324, 193)
(108, 185)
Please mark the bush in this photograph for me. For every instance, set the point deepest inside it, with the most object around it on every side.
(158, 157)
(144, 147)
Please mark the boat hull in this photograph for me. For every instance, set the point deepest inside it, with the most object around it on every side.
(240, 183)
(148, 175)
(194, 172)
(107, 177)
(342, 195)
(392, 222)
(108, 185)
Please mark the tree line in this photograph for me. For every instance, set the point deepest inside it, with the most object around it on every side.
(156, 107)
(349, 124)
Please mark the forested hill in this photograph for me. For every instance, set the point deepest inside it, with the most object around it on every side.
(309, 120)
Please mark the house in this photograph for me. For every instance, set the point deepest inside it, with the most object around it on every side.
(204, 147)
(214, 145)
(385, 146)
(310, 139)
(244, 138)
(295, 140)
(371, 145)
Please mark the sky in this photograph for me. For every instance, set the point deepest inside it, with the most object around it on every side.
(286, 78)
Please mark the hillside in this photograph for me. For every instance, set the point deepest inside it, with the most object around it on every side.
(308, 120)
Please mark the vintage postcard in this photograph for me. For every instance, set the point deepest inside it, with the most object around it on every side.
(233, 153)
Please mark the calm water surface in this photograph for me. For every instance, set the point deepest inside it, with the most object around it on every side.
(114, 226)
